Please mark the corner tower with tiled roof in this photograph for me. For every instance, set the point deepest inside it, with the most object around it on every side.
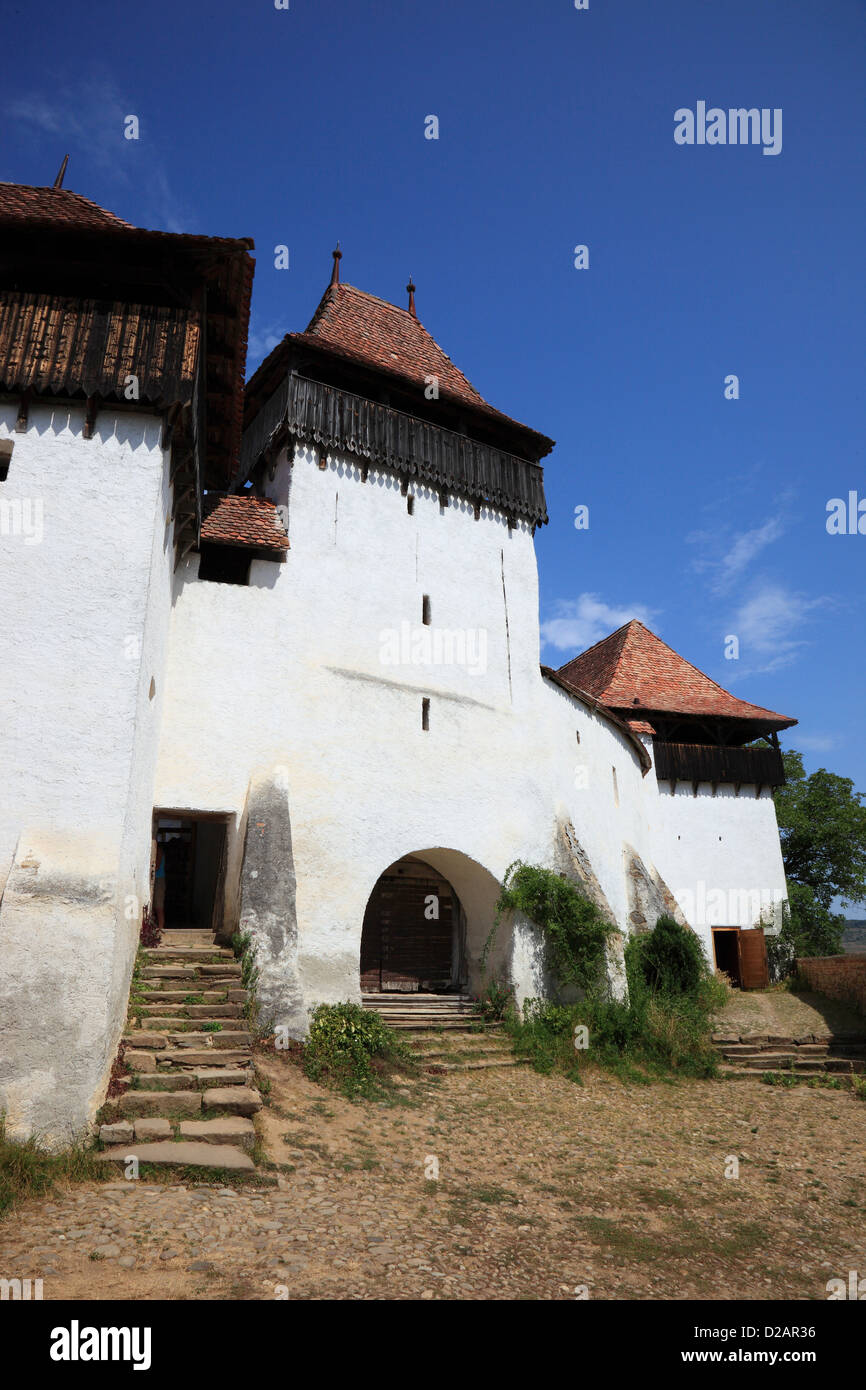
(699, 729)
(365, 377)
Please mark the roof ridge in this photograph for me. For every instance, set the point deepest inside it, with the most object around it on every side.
(602, 640)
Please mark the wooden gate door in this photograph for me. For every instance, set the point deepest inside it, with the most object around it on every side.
(754, 973)
(402, 948)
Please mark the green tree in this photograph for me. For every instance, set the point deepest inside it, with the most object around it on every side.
(822, 825)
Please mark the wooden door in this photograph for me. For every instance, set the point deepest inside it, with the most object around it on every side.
(402, 948)
(754, 973)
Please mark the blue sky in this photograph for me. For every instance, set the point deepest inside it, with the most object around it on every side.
(556, 129)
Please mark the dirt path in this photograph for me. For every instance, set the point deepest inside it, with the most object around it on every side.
(783, 1014)
(543, 1187)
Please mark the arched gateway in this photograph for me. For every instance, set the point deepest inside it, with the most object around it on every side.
(414, 935)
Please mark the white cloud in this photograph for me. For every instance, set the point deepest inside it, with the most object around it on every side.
(579, 623)
(86, 120)
(813, 743)
(738, 554)
(769, 625)
(262, 341)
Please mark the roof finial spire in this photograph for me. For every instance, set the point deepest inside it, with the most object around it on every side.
(335, 273)
(58, 182)
(411, 288)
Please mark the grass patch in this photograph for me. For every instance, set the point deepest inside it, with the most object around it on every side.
(28, 1170)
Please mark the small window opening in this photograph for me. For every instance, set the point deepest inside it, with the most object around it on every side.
(425, 610)
(410, 505)
(224, 564)
(577, 734)
(6, 446)
(615, 787)
(152, 691)
(425, 714)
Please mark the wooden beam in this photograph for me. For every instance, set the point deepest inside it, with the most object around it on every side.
(90, 413)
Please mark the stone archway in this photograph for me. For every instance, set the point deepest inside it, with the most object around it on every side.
(425, 925)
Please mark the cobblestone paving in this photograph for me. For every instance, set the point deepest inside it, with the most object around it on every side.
(543, 1187)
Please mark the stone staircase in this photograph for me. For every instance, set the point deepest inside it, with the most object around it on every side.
(444, 1031)
(191, 1095)
(809, 1055)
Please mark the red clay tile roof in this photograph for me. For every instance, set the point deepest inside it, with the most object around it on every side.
(388, 337)
(250, 522)
(370, 332)
(633, 670)
(640, 726)
(53, 206)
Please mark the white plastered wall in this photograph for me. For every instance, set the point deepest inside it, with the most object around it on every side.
(85, 612)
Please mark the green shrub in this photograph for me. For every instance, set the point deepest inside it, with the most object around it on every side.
(573, 927)
(495, 1000)
(670, 957)
(664, 1027)
(350, 1048)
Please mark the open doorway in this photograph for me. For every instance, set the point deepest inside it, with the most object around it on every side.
(726, 949)
(191, 852)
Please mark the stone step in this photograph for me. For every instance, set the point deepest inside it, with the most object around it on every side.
(206, 1011)
(168, 972)
(479, 1054)
(187, 955)
(184, 1154)
(196, 1080)
(455, 1026)
(803, 1072)
(185, 1027)
(187, 936)
(231, 1129)
(234, 1100)
(484, 1066)
(204, 1057)
(148, 1103)
(218, 971)
(229, 995)
(772, 1061)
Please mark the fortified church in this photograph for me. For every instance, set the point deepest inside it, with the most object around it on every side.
(282, 640)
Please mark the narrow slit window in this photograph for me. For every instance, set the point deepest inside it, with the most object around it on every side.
(5, 458)
(425, 610)
(615, 788)
(410, 504)
(425, 714)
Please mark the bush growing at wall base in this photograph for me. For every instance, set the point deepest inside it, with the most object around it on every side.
(573, 928)
(664, 1026)
(350, 1048)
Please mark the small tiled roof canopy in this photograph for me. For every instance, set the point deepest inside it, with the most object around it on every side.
(252, 523)
(632, 671)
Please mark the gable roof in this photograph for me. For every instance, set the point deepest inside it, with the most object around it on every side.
(634, 670)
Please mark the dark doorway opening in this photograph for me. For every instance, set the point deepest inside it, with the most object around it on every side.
(413, 937)
(194, 860)
(726, 949)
